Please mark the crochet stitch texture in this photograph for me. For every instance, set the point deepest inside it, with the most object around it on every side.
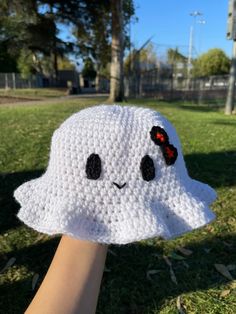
(107, 181)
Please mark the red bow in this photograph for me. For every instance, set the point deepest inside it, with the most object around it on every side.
(160, 138)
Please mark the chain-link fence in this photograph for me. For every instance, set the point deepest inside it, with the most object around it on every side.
(15, 80)
(164, 72)
(151, 84)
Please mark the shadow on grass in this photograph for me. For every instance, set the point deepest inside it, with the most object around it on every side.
(201, 108)
(8, 206)
(182, 104)
(15, 297)
(125, 288)
(217, 169)
(227, 123)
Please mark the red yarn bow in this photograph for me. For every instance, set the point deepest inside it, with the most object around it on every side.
(160, 138)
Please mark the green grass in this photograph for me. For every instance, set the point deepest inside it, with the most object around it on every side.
(34, 92)
(209, 145)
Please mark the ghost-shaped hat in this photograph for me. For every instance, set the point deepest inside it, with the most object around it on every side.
(116, 174)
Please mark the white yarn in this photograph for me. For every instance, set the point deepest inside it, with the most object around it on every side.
(64, 201)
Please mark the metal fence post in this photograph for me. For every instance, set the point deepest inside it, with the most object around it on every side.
(6, 81)
(13, 80)
(229, 106)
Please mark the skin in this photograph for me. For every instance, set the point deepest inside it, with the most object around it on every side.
(73, 280)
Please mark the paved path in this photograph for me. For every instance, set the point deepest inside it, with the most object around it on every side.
(56, 100)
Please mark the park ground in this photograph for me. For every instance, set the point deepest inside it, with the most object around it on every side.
(195, 273)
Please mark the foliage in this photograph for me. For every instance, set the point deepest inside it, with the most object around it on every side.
(8, 63)
(29, 28)
(174, 56)
(25, 63)
(105, 71)
(213, 62)
(31, 34)
(25, 142)
(25, 28)
(65, 64)
(30, 63)
(178, 62)
(147, 59)
(33, 26)
(94, 34)
(148, 55)
(88, 71)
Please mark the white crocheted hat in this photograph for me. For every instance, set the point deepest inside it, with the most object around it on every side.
(116, 174)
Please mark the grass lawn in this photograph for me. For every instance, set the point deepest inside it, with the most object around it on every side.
(33, 92)
(209, 145)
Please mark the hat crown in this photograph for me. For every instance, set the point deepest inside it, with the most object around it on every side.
(120, 136)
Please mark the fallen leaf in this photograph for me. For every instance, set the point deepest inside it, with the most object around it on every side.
(210, 228)
(224, 293)
(172, 276)
(159, 256)
(9, 263)
(166, 259)
(184, 251)
(227, 244)
(35, 280)
(179, 305)
(113, 253)
(222, 269)
(152, 272)
(231, 267)
(233, 284)
(177, 256)
(39, 238)
(231, 221)
(185, 264)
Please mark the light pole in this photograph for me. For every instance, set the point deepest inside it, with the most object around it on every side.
(194, 14)
(202, 22)
(231, 35)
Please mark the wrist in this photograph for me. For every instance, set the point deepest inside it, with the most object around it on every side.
(74, 244)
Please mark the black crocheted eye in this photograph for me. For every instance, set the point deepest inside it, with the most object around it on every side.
(93, 167)
(147, 168)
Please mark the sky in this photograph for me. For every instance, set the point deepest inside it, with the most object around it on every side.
(169, 22)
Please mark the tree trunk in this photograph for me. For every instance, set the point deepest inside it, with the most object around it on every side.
(54, 50)
(229, 106)
(55, 64)
(97, 79)
(117, 50)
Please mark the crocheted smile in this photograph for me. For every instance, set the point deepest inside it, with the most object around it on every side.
(116, 174)
(94, 169)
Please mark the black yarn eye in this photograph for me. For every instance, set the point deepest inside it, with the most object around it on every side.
(93, 167)
(147, 168)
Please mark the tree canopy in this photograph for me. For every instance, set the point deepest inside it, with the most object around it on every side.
(213, 62)
(178, 62)
(88, 71)
(8, 63)
(30, 29)
(147, 59)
